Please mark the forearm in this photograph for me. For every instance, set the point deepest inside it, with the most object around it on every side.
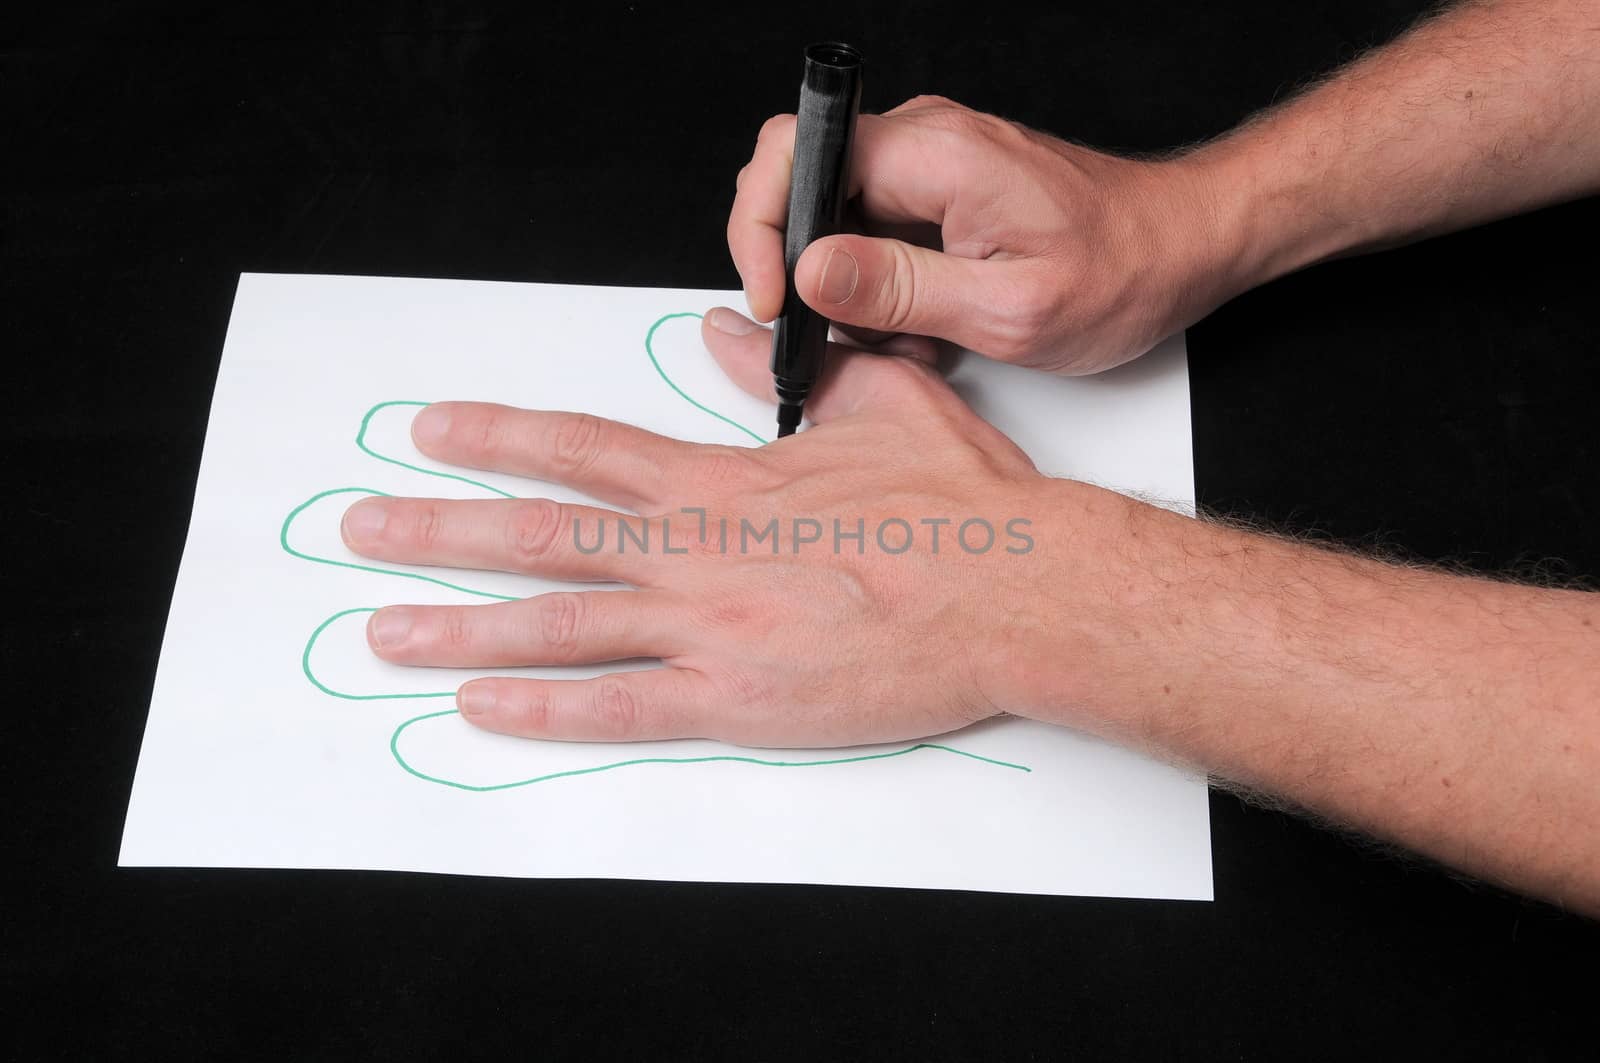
(1459, 717)
(1489, 109)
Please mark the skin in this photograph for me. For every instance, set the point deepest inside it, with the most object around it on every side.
(1067, 259)
(726, 624)
(1458, 717)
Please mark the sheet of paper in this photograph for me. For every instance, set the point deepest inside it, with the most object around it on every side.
(276, 739)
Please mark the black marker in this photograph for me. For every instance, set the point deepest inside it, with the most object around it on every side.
(825, 129)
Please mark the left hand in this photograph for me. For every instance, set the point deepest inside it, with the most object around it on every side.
(807, 644)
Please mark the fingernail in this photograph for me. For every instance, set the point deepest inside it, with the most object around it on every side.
(364, 521)
(391, 626)
(839, 277)
(475, 699)
(730, 321)
(430, 425)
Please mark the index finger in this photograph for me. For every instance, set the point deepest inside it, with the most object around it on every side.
(760, 212)
(608, 460)
(900, 168)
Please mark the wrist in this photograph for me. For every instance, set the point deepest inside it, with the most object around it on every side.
(1138, 622)
(1087, 622)
(1206, 206)
(1272, 210)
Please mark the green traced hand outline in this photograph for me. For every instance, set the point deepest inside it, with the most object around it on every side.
(650, 351)
(394, 739)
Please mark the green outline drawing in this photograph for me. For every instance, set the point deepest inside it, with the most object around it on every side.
(394, 748)
(650, 351)
(394, 739)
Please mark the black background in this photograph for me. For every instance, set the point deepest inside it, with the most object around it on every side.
(1437, 399)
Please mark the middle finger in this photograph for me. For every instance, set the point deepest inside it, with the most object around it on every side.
(533, 536)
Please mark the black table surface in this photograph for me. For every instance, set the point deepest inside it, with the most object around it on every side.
(1437, 400)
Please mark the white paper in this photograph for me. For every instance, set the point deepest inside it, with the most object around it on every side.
(247, 763)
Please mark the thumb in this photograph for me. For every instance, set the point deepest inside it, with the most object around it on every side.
(851, 378)
(893, 286)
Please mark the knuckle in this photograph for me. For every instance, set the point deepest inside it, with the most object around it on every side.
(741, 687)
(1018, 132)
(1009, 344)
(907, 378)
(900, 299)
(576, 443)
(723, 466)
(1035, 307)
(535, 710)
(489, 434)
(703, 546)
(738, 616)
(930, 101)
(989, 126)
(1024, 315)
(963, 122)
(427, 526)
(454, 630)
(615, 708)
(532, 531)
(560, 619)
(722, 612)
(908, 372)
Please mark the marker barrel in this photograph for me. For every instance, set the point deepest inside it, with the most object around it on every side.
(830, 99)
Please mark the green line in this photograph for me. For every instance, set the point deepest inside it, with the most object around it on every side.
(394, 749)
(305, 666)
(361, 441)
(649, 349)
(394, 740)
(283, 541)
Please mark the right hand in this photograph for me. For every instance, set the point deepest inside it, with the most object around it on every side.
(1053, 256)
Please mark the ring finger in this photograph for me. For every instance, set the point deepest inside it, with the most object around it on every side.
(565, 627)
(533, 536)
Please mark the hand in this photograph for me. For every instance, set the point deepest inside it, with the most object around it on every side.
(765, 643)
(1053, 256)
